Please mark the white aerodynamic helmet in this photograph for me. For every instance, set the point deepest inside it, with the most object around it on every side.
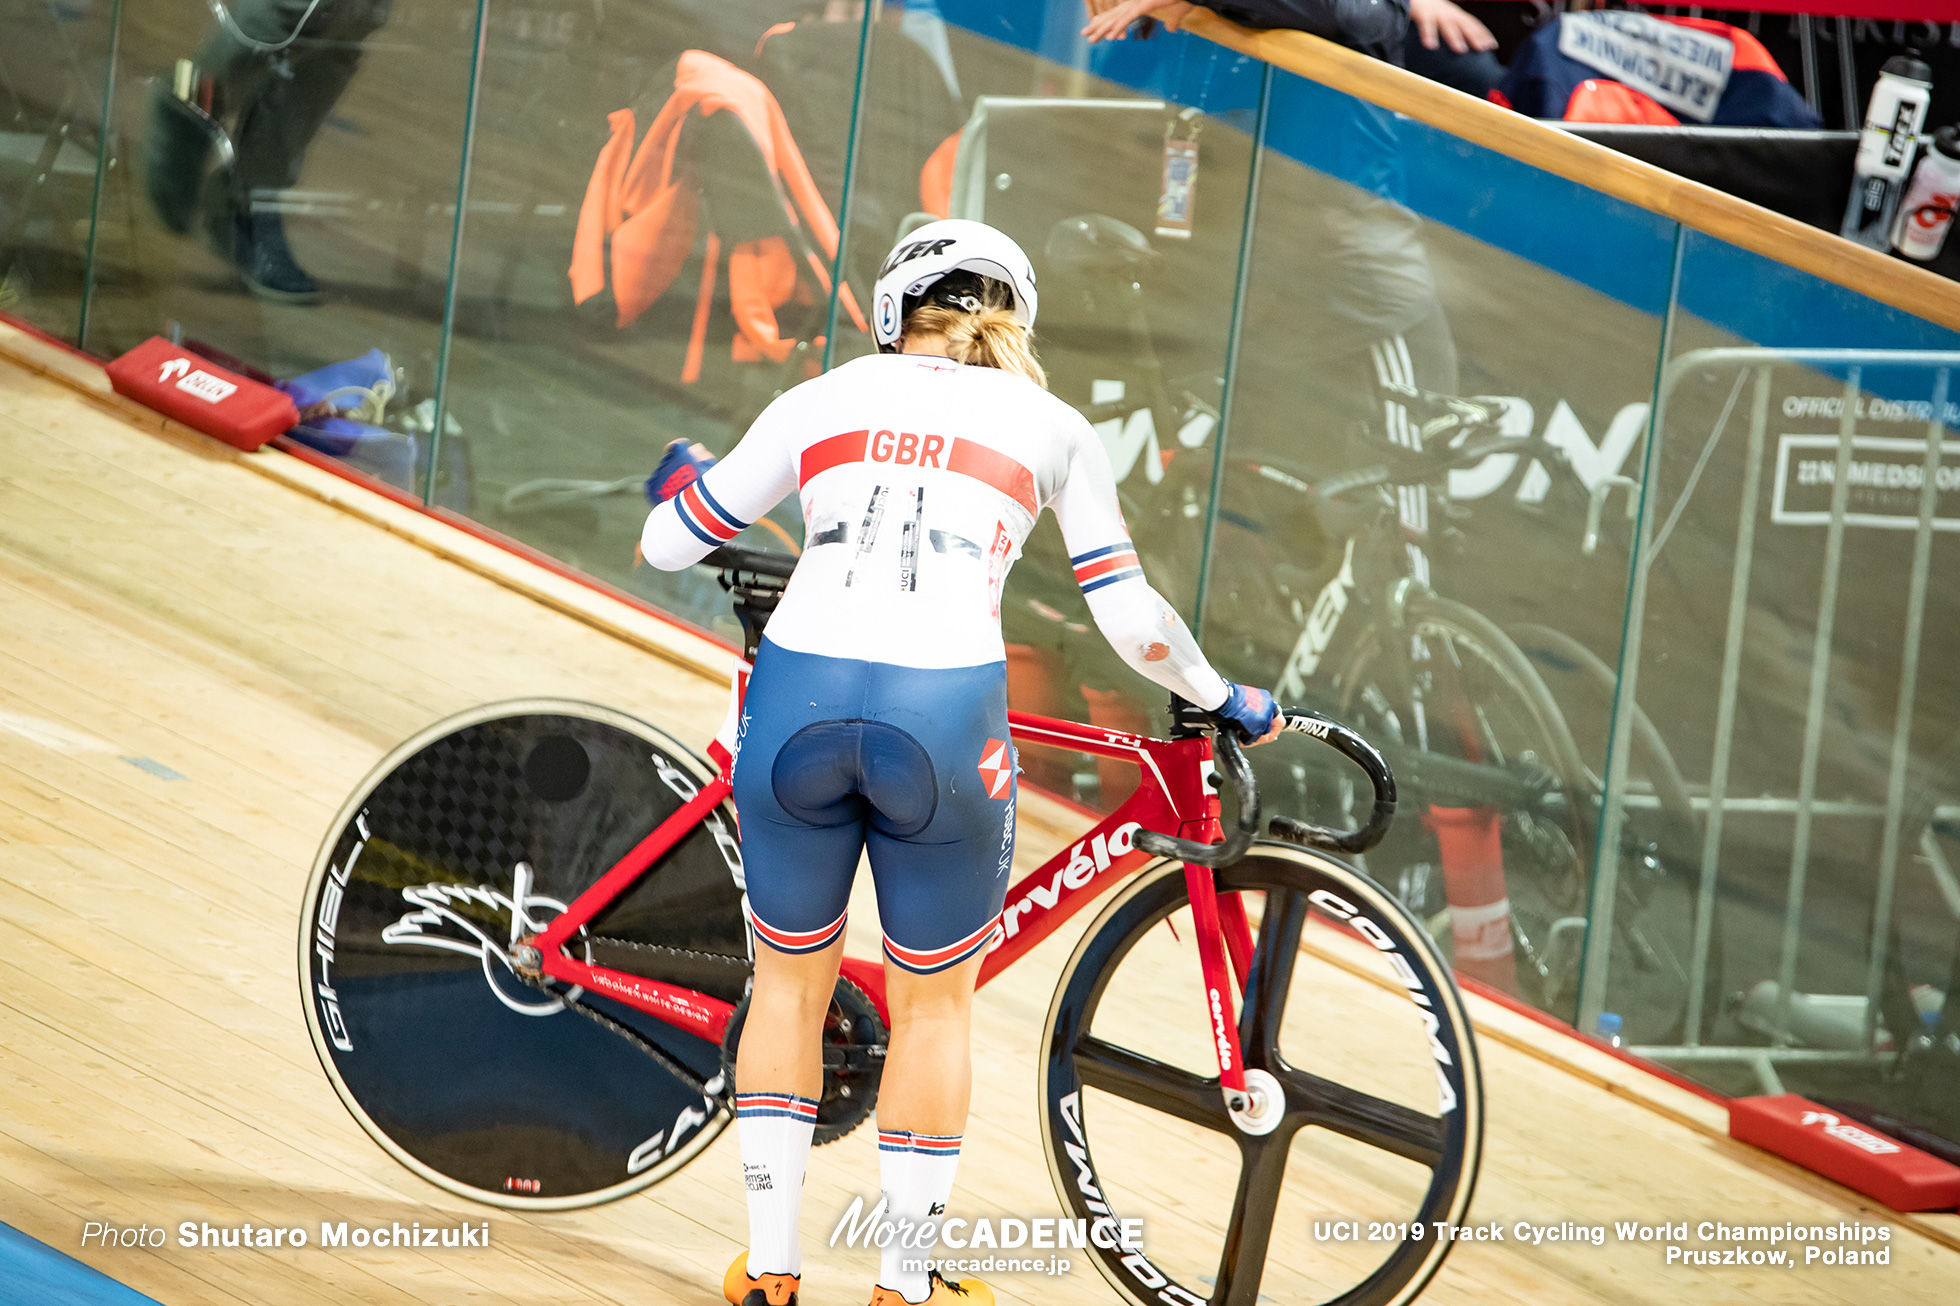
(933, 251)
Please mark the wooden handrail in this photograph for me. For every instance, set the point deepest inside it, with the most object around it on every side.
(1705, 209)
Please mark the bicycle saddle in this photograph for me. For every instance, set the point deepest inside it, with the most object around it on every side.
(1090, 244)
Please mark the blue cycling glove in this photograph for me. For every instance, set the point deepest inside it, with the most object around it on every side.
(1251, 710)
(679, 468)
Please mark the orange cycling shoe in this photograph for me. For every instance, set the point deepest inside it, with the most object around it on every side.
(967, 1292)
(763, 1289)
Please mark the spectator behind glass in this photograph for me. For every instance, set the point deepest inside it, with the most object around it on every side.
(1450, 45)
(274, 69)
(1359, 328)
(1442, 42)
(1374, 27)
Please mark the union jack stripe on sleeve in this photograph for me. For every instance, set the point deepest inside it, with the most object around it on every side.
(752, 1106)
(1106, 566)
(706, 518)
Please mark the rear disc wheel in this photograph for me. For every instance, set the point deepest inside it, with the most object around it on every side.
(478, 831)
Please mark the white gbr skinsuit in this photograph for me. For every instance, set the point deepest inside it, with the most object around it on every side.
(920, 479)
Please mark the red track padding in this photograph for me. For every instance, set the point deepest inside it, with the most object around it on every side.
(200, 394)
(1903, 1177)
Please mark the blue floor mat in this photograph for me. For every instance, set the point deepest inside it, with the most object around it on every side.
(35, 1274)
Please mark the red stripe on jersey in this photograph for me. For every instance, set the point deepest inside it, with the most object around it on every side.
(995, 469)
(1102, 566)
(834, 452)
(704, 516)
(965, 457)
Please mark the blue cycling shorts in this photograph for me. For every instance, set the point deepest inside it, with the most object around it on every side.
(838, 756)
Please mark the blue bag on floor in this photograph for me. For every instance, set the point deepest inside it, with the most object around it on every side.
(342, 407)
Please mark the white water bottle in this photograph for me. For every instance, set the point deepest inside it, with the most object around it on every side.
(1885, 148)
(1927, 210)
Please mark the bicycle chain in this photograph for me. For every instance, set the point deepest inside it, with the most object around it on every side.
(638, 1040)
(666, 950)
(661, 1059)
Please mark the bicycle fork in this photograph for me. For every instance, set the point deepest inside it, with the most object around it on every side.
(1223, 929)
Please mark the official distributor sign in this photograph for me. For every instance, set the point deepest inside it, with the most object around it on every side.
(1884, 476)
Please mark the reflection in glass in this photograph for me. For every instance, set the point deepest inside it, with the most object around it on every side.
(53, 71)
(1441, 373)
(655, 193)
(291, 206)
(1795, 603)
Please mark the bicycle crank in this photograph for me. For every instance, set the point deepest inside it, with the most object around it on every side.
(854, 1041)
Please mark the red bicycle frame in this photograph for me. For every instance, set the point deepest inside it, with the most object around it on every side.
(1172, 797)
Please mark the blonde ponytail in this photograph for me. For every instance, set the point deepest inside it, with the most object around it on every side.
(991, 337)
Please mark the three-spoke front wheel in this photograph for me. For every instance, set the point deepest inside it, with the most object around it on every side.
(1349, 1010)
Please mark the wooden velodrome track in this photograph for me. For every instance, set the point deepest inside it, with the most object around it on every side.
(256, 632)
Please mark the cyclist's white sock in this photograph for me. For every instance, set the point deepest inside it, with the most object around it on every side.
(775, 1130)
(917, 1173)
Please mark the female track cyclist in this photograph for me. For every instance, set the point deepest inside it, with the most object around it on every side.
(876, 717)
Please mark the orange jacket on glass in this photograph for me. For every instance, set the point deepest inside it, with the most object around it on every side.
(637, 210)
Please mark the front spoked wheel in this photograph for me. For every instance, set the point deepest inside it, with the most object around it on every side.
(1353, 1016)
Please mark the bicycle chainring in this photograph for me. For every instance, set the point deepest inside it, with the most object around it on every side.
(854, 1041)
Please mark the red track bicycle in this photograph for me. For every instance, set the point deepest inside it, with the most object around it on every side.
(524, 963)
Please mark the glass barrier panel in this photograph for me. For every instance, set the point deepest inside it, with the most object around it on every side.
(54, 68)
(288, 205)
(1798, 597)
(652, 218)
(1446, 360)
(1122, 171)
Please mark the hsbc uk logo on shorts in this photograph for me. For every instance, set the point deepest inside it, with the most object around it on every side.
(996, 768)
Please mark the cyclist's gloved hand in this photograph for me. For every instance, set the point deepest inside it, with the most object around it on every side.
(680, 467)
(1253, 711)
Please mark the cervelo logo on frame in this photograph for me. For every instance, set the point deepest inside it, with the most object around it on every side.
(1082, 867)
(198, 382)
(1219, 1033)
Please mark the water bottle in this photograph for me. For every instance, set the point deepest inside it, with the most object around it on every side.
(1927, 210)
(1610, 1025)
(1885, 147)
(1817, 1020)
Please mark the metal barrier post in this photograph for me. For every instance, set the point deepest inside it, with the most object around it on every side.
(1806, 807)
(1595, 960)
(1895, 782)
(1718, 781)
(1813, 720)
